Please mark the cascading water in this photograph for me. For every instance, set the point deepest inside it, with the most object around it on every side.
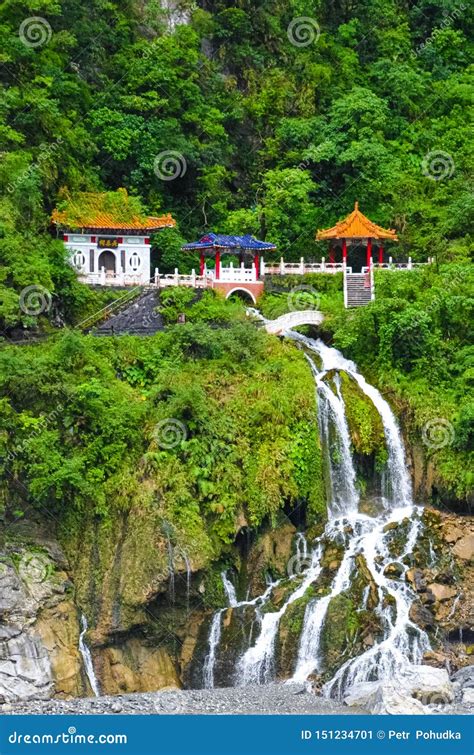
(216, 624)
(401, 642)
(229, 590)
(256, 665)
(87, 658)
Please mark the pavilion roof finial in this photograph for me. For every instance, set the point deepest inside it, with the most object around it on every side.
(356, 205)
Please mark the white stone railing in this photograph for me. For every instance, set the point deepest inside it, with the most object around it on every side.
(301, 267)
(391, 265)
(107, 278)
(240, 274)
(175, 279)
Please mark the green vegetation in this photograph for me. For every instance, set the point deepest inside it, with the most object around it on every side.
(269, 137)
(272, 138)
(203, 423)
(415, 342)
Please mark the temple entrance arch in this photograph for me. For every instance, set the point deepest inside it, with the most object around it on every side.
(242, 293)
(107, 260)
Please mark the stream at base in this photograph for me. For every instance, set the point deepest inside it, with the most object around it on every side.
(399, 643)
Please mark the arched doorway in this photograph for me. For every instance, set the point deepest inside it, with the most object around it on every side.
(242, 293)
(356, 256)
(107, 260)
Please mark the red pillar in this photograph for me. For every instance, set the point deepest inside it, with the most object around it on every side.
(380, 254)
(218, 265)
(331, 254)
(257, 264)
(201, 264)
(369, 251)
(344, 251)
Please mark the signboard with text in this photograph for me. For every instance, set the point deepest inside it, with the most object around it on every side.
(103, 243)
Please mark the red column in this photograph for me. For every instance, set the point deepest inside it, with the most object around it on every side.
(218, 265)
(380, 254)
(344, 251)
(331, 254)
(257, 264)
(201, 264)
(369, 251)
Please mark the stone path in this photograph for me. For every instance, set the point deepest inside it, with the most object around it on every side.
(138, 318)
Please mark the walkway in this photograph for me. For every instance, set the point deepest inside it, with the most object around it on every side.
(282, 324)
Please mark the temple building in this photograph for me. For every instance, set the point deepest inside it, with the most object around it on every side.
(354, 231)
(108, 237)
(246, 276)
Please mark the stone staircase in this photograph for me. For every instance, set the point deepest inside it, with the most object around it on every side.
(357, 290)
(139, 318)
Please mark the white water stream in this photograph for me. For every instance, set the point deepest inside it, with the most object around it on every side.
(402, 642)
(87, 658)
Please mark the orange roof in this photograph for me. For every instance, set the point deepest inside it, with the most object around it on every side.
(107, 221)
(356, 226)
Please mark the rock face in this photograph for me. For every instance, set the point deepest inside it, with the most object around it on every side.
(39, 631)
(408, 694)
(134, 667)
(384, 698)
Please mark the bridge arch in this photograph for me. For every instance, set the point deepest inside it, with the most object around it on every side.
(241, 290)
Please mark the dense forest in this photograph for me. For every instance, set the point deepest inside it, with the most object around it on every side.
(270, 118)
(261, 117)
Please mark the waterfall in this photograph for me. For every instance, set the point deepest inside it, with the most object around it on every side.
(256, 664)
(402, 642)
(301, 547)
(215, 630)
(87, 658)
(399, 480)
(213, 642)
(187, 563)
(343, 496)
(229, 590)
(171, 585)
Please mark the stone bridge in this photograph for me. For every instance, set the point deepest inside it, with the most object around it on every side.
(293, 320)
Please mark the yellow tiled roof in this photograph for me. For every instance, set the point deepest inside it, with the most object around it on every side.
(356, 226)
(107, 211)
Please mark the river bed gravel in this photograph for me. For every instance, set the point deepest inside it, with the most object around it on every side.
(271, 699)
(268, 699)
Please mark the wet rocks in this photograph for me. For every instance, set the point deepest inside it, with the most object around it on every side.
(416, 579)
(421, 615)
(428, 684)
(442, 592)
(393, 570)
